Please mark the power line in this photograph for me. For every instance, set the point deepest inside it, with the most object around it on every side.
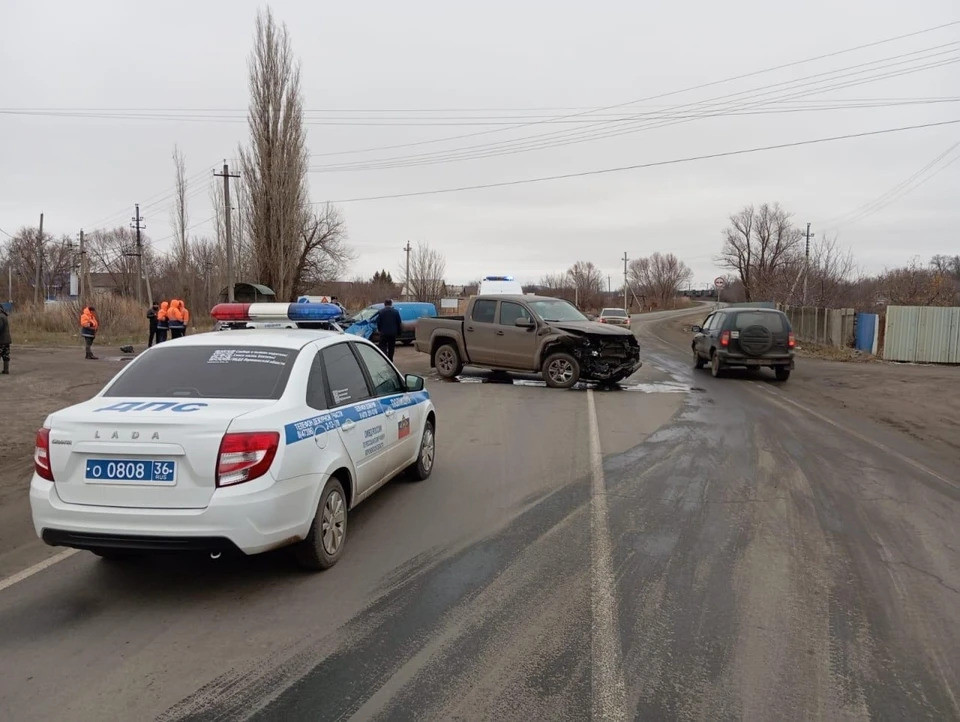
(902, 189)
(710, 106)
(729, 79)
(639, 166)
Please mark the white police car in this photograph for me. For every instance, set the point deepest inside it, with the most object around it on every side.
(246, 439)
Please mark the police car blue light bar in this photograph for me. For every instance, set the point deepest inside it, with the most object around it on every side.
(303, 312)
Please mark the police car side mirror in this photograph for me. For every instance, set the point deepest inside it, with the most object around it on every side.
(414, 383)
(696, 329)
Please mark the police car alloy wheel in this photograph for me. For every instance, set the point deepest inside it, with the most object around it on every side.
(324, 544)
(428, 450)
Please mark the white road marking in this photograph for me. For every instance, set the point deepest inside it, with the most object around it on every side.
(876, 444)
(606, 671)
(39, 567)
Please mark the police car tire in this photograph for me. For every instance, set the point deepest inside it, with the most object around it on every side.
(310, 553)
(422, 468)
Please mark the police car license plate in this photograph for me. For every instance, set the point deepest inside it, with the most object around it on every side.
(130, 471)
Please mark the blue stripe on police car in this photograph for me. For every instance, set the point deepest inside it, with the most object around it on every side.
(332, 420)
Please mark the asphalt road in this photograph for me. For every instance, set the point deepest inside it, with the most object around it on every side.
(688, 547)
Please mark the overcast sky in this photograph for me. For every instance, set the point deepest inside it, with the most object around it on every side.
(504, 64)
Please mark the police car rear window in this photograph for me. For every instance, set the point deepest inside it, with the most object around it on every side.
(208, 372)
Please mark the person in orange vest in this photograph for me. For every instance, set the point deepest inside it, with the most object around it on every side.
(162, 324)
(186, 317)
(175, 318)
(89, 324)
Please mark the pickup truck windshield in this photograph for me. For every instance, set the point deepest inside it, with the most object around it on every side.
(557, 311)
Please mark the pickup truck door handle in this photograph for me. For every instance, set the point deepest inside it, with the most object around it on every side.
(469, 328)
(499, 333)
(347, 425)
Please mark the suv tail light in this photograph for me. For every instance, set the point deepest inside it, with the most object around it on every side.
(791, 340)
(41, 455)
(244, 457)
(725, 338)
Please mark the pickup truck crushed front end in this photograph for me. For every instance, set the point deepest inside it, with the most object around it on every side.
(605, 357)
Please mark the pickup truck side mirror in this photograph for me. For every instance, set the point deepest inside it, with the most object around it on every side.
(696, 329)
(524, 323)
(413, 382)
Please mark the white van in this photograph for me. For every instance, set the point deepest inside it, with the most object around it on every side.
(499, 286)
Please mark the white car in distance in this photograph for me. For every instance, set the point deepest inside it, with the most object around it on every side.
(248, 440)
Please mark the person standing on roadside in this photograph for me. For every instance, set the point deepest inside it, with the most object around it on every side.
(185, 312)
(162, 324)
(89, 324)
(175, 318)
(5, 340)
(388, 326)
(152, 320)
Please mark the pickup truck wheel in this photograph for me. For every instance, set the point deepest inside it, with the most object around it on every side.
(447, 361)
(561, 371)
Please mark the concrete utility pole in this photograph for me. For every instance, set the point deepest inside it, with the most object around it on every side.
(227, 175)
(625, 307)
(406, 279)
(80, 288)
(36, 283)
(806, 265)
(138, 226)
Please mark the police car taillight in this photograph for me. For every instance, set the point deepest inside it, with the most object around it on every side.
(41, 455)
(245, 456)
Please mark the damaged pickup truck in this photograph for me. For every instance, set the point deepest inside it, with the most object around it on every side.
(529, 333)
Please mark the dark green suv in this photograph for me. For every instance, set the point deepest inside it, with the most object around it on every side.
(746, 337)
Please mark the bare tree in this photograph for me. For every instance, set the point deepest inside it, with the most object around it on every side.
(275, 165)
(658, 279)
(427, 269)
(587, 281)
(324, 254)
(760, 247)
(180, 217)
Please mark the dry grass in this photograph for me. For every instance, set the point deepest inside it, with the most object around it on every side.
(122, 321)
(832, 353)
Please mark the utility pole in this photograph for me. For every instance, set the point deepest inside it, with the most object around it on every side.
(36, 283)
(227, 175)
(138, 226)
(806, 265)
(406, 279)
(625, 306)
(80, 271)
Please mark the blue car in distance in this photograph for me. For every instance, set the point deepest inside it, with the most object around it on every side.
(365, 323)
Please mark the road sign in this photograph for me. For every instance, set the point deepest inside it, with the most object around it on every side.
(719, 282)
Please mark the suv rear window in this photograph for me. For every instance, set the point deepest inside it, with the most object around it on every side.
(208, 372)
(772, 321)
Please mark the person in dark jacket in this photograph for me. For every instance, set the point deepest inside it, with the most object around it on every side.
(388, 326)
(5, 340)
(152, 320)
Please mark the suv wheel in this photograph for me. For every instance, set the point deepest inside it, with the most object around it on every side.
(447, 361)
(697, 359)
(715, 367)
(782, 373)
(561, 371)
(324, 544)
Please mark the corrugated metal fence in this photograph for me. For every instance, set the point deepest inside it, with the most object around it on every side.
(924, 334)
